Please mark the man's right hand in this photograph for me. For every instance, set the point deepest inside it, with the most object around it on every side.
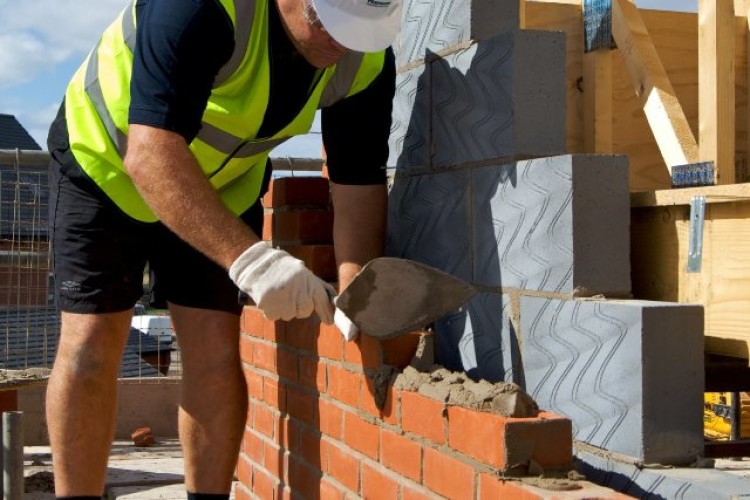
(280, 285)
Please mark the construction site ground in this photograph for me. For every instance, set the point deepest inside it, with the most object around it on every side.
(156, 472)
(149, 473)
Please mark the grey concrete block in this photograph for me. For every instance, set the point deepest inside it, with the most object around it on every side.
(438, 25)
(429, 220)
(678, 483)
(409, 140)
(481, 340)
(629, 374)
(500, 98)
(558, 224)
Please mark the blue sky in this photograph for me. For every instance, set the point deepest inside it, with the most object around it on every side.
(43, 41)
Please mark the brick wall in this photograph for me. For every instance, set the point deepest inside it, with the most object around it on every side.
(326, 420)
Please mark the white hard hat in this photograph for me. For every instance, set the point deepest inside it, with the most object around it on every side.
(361, 25)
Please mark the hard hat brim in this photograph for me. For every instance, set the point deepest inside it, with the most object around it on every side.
(357, 28)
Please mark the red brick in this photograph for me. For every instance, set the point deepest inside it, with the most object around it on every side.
(142, 437)
(401, 454)
(344, 466)
(305, 226)
(329, 491)
(273, 459)
(447, 476)
(242, 492)
(367, 403)
(274, 331)
(330, 343)
(320, 259)
(362, 436)
(264, 421)
(297, 191)
(343, 385)
(274, 393)
(400, 350)
(377, 484)
(301, 405)
(330, 420)
(286, 364)
(469, 431)
(252, 321)
(264, 484)
(302, 333)
(254, 382)
(365, 351)
(304, 480)
(264, 356)
(253, 447)
(312, 448)
(548, 438)
(422, 416)
(246, 349)
(289, 433)
(494, 487)
(312, 373)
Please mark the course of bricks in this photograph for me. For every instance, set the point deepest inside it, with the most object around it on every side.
(326, 421)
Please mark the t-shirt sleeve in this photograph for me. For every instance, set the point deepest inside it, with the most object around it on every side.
(180, 47)
(356, 129)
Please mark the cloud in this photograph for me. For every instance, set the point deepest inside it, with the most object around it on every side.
(39, 34)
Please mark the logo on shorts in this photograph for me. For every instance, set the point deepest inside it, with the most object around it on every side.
(70, 286)
(379, 3)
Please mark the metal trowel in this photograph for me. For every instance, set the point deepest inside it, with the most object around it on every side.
(391, 296)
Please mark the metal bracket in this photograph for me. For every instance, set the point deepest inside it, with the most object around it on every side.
(695, 243)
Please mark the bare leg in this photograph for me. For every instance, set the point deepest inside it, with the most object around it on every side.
(82, 399)
(213, 405)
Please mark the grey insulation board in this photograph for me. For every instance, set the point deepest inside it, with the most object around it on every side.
(558, 224)
(495, 100)
(500, 98)
(629, 374)
(481, 340)
(435, 26)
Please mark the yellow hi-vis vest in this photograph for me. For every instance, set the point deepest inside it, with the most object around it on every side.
(227, 148)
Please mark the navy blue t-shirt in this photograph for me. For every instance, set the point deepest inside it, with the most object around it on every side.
(180, 48)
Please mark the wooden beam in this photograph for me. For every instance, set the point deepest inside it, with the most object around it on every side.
(652, 86)
(716, 80)
(597, 101)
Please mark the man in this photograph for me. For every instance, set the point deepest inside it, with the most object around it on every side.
(159, 155)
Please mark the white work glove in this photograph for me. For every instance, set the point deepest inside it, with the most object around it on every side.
(280, 285)
(348, 329)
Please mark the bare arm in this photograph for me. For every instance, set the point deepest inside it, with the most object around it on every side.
(170, 180)
(359, 226)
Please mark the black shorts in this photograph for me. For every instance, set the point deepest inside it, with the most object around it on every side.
(100, 253)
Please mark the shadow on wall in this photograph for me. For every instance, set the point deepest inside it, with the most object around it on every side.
(441, 207)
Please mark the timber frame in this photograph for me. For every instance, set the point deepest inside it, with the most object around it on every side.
(674, 92)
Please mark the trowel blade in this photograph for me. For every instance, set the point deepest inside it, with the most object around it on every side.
(391, 296)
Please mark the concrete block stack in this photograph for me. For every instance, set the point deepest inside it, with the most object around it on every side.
(482, 189)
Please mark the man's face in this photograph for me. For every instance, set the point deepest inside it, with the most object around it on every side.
(307, 33)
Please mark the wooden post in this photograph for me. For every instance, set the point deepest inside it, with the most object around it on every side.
(716, 79)
(597, 101)
(657, 96)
